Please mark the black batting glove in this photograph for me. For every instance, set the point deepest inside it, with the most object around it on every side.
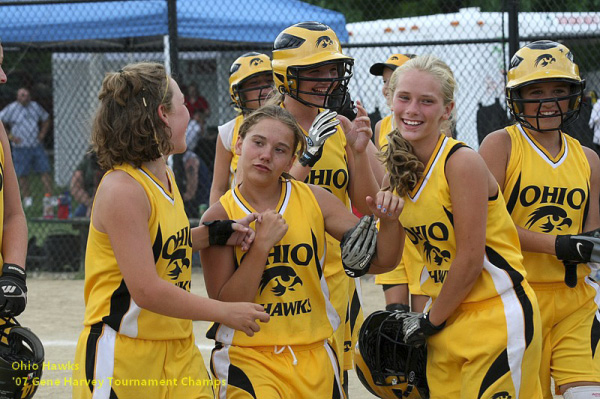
(580, 248)
(416, 327)
(13, 290)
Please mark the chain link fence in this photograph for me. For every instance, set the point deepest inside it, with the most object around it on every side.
(60, 50)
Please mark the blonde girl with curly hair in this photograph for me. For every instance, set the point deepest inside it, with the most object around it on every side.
(482, 323)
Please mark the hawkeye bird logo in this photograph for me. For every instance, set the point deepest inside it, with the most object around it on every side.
(438, 256)
(256, 61)
(284, 278)
(174, 251)
(553, 215)
(502, 395)
(544, 60)
(393, 58)
(176, 271)
(324, 41)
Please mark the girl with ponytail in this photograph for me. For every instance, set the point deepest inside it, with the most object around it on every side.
(472, 268)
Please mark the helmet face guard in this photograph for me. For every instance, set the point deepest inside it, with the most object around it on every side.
(540, 62)
(239, 95)
(21, 361)
(517, 105)
(336, 92)
(397, 370)
(243, 69)
(303, 47)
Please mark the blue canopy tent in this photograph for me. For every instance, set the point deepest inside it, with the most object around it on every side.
(127, 25)
(89, 39)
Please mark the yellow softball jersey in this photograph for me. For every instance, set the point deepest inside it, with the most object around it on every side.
(386, 126)
(293, 288)
(428, 221)
(331, 173)
(399, 275)
(107, 298)
(548, 195)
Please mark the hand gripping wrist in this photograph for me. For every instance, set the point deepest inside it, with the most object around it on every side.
(219, 231)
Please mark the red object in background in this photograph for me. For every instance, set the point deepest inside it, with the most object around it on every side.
(199, 105)
(63, 211)
(64, 206)
(356, 212)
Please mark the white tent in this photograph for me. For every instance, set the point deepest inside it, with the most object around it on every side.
(478, 67)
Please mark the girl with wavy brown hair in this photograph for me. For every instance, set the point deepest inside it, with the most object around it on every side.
(285, 269)
(137, 340)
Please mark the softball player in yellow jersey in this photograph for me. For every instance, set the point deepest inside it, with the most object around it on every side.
(482, 327)
(396, 284)
(551, 184)
(250, 84)
(225, 151)
(331, 173)
(284, 270)
(137, 340)
(13, 231)
(309, 77)
(385, 70)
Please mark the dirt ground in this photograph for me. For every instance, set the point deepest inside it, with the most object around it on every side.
(55, 313)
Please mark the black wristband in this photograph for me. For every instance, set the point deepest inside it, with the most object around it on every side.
(397, 307)
(561, 246)
(219, 231)
(10, 269)
(434, 329)
(308, 159)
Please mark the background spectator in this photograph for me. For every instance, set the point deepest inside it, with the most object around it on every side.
(195, 102)
(84, 183)
(28, 124)
(195, 130)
